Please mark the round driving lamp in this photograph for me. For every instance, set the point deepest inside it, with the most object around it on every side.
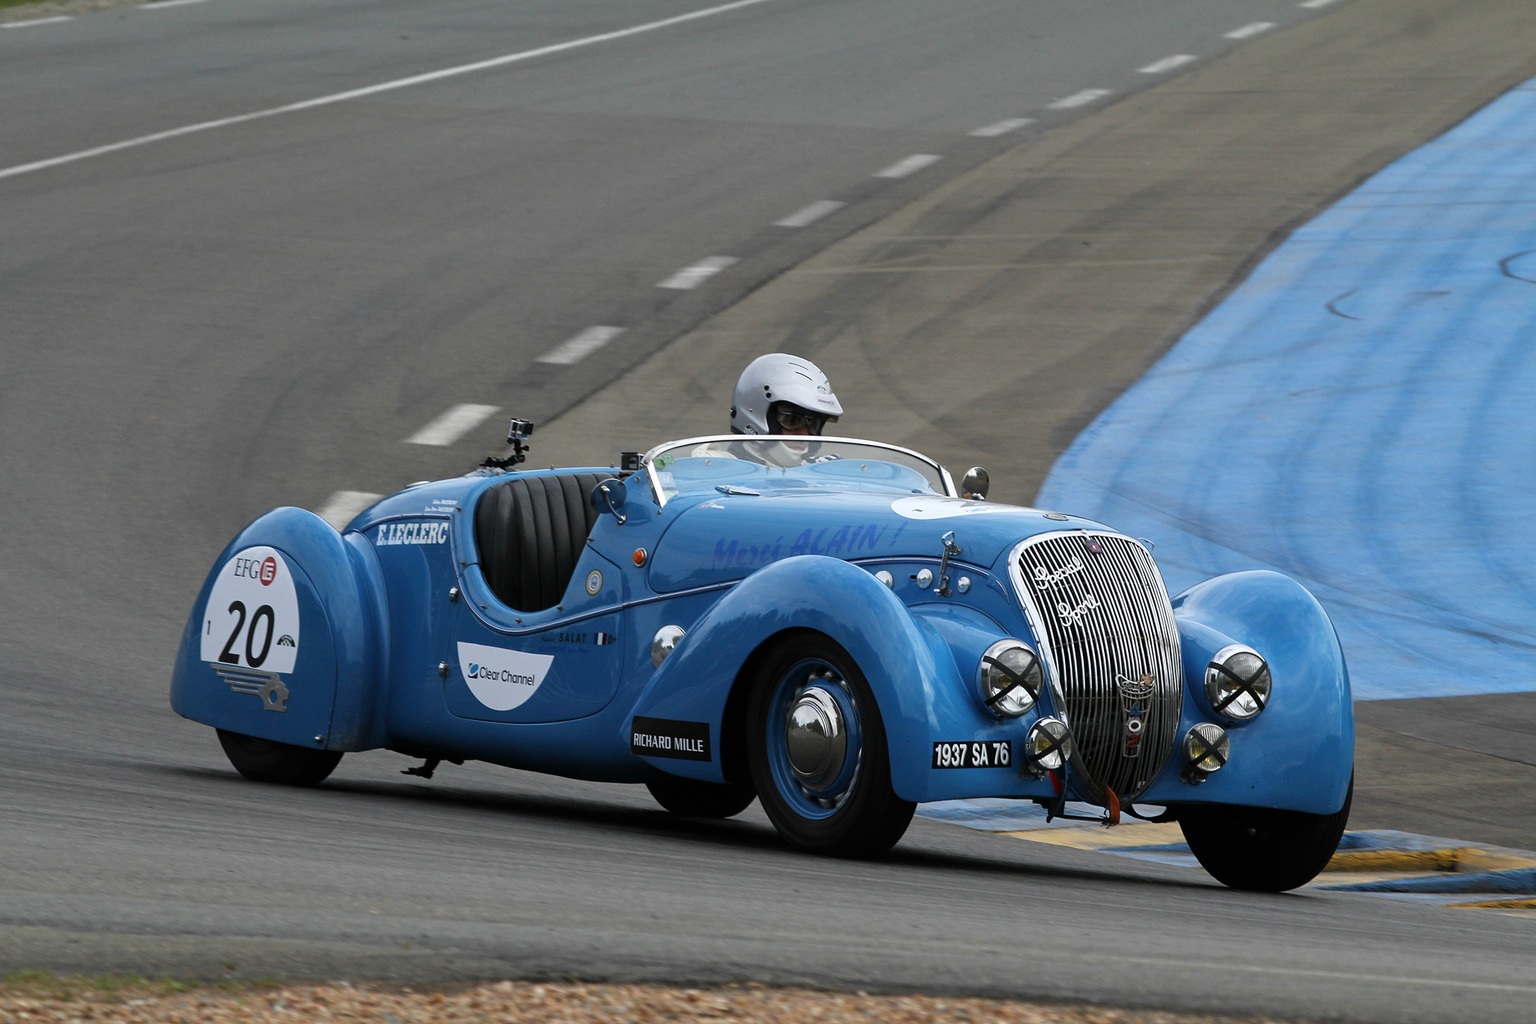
(1048, 744)
(1206, 748)
(1237, 682)
(1011, 678)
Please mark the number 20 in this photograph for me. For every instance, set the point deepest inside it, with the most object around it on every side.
(253, 658)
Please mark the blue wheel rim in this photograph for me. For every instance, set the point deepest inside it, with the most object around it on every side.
(819, 802)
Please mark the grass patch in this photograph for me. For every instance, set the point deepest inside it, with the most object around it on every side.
(47, 985)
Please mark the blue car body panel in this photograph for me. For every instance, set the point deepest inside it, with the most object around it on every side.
(394, 635)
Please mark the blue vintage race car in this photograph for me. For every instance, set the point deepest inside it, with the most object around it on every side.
(833, 628)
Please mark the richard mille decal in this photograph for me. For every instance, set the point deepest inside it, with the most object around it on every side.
(502, 679)
(669, 737)
(973, 754)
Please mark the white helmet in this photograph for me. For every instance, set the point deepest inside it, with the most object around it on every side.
(774, 378)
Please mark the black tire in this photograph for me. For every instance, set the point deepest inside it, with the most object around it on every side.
(280, 763)
(852, 813)
(691, 798)
(1263, 850)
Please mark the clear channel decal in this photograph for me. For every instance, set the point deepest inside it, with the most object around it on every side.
(502, 679)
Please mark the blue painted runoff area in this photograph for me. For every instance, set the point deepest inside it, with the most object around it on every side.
(1360, 414)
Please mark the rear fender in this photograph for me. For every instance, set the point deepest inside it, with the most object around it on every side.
(284, 642)
(904, 664)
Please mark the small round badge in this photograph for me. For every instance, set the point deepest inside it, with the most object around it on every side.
(594, 582)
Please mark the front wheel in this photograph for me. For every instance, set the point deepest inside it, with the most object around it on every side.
(280, 763)
(691, 798)
(817, 751)
(1264, 850)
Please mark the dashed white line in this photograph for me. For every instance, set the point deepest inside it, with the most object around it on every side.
(996, 128)
(156, 4)
(1167, 64)
(810, 214)
(575, 349)
(371, 90)
(33, 22)
(1250, 30)
(692, 277)
(343, 506)
(1315, 3)
(908, 165)
(1079, 99)
(451, 425)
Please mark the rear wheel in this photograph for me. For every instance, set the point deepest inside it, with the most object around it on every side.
(1264, 850)
(281, 763)
(817, 751)
(694, 799)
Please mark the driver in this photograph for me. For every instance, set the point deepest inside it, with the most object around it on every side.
(782, 394)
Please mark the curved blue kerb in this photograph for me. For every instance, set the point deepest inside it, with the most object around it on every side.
(1361, 414)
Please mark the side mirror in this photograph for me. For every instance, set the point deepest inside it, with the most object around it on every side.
(975, 484)
(608, 496)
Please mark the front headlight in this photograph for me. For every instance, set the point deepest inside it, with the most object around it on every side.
(1237, 681)
(1010, 677)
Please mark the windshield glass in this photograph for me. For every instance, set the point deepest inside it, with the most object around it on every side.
(779, 463)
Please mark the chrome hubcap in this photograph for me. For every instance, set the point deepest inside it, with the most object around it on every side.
(815, 737)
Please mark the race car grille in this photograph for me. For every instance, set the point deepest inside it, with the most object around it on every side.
(1108, 638)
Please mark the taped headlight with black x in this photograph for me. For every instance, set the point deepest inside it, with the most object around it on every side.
(1237, 682)
(1011, 678)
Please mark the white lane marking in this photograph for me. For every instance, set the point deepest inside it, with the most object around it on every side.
(577, 348)
(692, 277)
(1079, 99)
(452, 425)
(1167, 64)
(1315, 3)
(997, 128)
(810, 214)
(340, 508)
(157, 4)
(1250, 30)
(30, 23)
(372, 90)
(909, 165)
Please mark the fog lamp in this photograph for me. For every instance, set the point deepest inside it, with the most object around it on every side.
(1237, 681)
(1048, 745)
(1206, 747)
(1011, 678)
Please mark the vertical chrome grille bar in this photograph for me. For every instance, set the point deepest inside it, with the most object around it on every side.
(1106, 629)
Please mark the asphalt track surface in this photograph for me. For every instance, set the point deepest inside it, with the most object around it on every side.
(204, 325)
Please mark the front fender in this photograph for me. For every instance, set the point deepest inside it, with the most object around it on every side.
(909, 669)
(1298, 754)
(285, 641)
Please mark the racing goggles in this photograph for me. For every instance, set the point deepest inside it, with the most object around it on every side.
(792, 417)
